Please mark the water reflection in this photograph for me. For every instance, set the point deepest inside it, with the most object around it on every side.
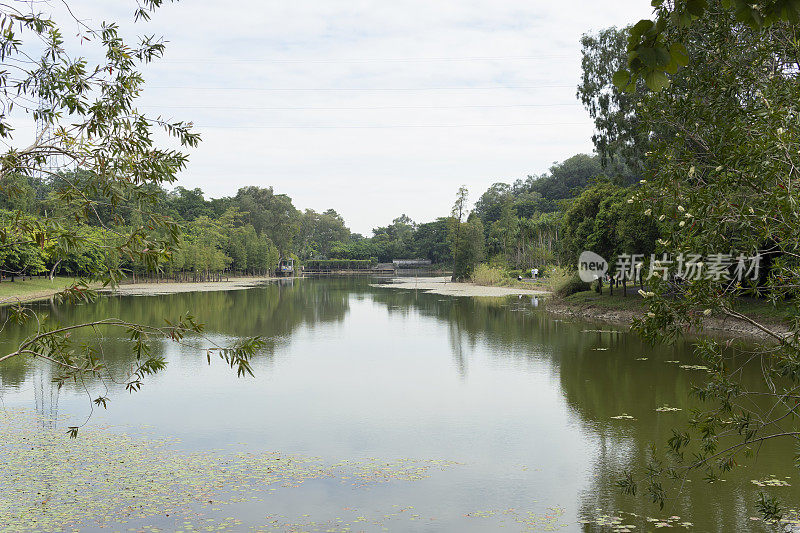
(354, 371)
(274, 312)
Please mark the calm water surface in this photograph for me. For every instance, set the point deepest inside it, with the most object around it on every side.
(521, 401)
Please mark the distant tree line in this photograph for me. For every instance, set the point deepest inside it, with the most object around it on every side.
(243, 234)
(581, 203)
(542, 220)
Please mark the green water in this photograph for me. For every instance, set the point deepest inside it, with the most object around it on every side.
(504, 411)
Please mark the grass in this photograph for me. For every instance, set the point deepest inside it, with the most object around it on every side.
(487, 275)
(563, 283)
(32, 289)
(757, 309)
(617, 301)
(490, 276)
(781, 312)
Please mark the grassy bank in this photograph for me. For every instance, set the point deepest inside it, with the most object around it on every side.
(32, 289)
(623, 309)
(631, 302)
(489, 276)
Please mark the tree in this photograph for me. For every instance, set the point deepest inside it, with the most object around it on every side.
(567, 178)
(189, 204)
(724, 186)
(602, 220)
(490, 204)
(468, 247)
(466, 238)
(528, 203)
(22, 256)
(619, 136)
(17, 194)
(656, 51)
(318, 231)
(457, 215)
(539, 239)
(270, 214)
(90, 119)
(430, 241)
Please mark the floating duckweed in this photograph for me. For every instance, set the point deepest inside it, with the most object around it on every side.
(622, 522)
(791, 519)
(770, 481)
(695, 367)
(529, 520)
(53, 483)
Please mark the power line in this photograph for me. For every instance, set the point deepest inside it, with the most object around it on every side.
(357, 108)
(298, 89)
(393, 126)
(367, 60)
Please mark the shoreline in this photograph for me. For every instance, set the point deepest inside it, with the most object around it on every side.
(584, 311)
(624, 317)
(44, 290)
(444, 287)
(143, 289)
(592, 311)
(171, 287)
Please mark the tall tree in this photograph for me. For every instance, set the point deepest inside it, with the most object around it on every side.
(270, 214)
(619, 136)
(88, 117)
(724, 183)
(457, 215)
(189, 204)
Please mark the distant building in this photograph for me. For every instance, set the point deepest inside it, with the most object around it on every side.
(411, 263)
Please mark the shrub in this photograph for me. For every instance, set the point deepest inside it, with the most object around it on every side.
(564, 284)
(487, 275)
(514, 274)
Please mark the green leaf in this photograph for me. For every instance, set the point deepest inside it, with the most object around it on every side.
(656, 80)
(679, 54)
(641, 27)
(696, 7)
(672, 66)
(663, 56)
(661, 25)
(621, 79)
(648, 56)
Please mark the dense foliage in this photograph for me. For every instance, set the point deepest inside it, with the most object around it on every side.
(521, 226)
(720, 139)
(102, 215)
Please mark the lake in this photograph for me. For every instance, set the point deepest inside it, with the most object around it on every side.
(371, 409)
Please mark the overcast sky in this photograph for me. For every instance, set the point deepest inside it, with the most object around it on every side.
(373, 108)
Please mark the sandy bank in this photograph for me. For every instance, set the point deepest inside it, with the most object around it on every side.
(32, 289)
(445, 287)
(152, 289)
(624, 317)
(28, 297)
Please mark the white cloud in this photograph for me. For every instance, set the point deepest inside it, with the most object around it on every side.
(313, 47)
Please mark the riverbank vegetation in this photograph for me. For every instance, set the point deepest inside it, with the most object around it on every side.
(696, 154)
(101, 213)
(779, 316)
(703, 98)
(534, 223)
(33, 288)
